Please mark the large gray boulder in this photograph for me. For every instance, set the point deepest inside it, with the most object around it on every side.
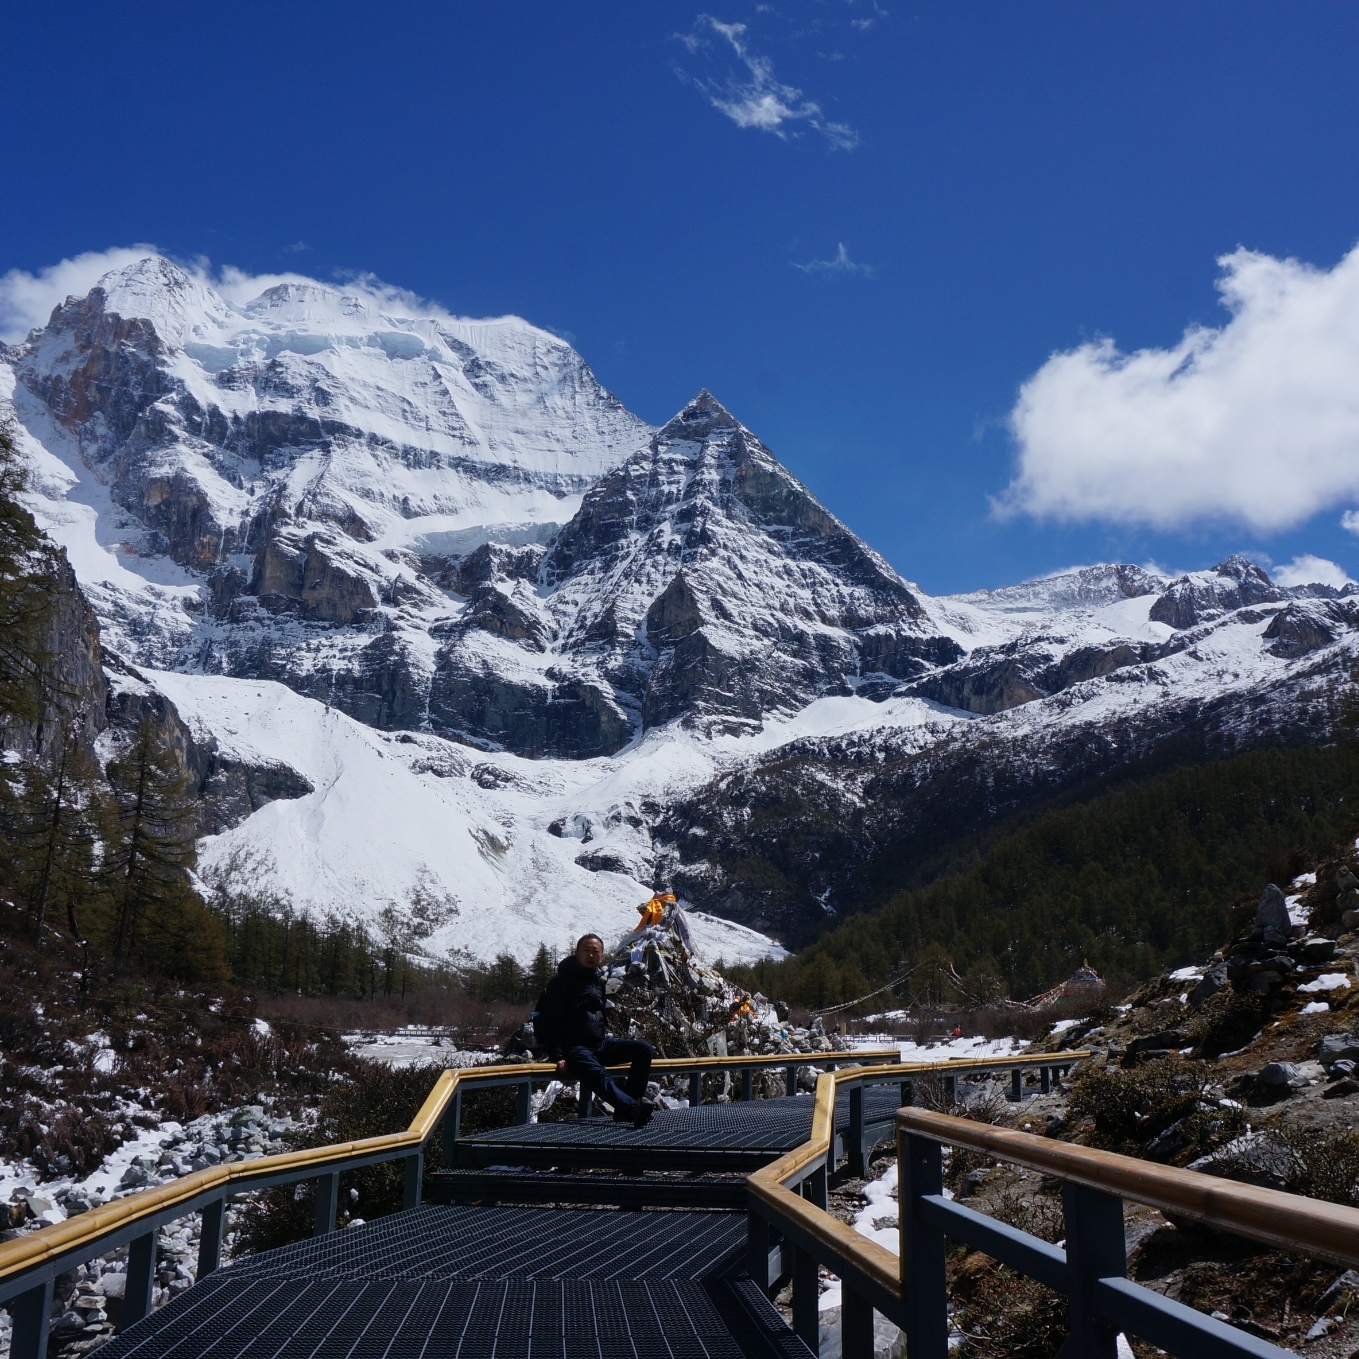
(1208, 985)
(1280, 1074)
(1272, 912)
(1336, 1047)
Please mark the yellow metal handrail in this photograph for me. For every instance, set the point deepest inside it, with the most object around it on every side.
(64, 1237)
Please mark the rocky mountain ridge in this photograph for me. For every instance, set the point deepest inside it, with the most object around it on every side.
(610, 653)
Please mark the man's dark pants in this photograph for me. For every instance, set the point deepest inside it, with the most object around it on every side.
(587, 1066)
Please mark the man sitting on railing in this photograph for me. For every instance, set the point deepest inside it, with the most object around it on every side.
(572, 1025)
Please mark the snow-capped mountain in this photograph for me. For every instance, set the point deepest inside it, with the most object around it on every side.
(526, 655)
(309, 448)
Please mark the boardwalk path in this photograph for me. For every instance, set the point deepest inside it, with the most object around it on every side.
(483, 1282)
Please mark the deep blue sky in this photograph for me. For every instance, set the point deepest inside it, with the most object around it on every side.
(1026, 176)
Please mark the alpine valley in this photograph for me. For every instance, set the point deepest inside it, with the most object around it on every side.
(441, 626)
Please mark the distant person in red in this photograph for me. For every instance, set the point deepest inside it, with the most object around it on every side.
(573, 1009)
(958, 1031)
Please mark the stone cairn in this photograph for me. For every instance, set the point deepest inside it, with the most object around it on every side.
(659, 990)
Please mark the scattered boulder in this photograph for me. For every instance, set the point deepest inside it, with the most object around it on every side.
(1347, 898)
(1316, 949)
(1337, 1047)
(1155, 1044)
(1212, 981)
(1272, 912)
(1255, 1158)
(1280, 1074)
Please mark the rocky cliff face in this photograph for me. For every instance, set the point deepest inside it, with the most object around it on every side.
(67, 687)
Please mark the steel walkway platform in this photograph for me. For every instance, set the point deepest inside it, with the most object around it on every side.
(483, 1283)
(742, 1135)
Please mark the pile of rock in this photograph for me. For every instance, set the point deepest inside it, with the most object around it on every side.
(87, 1302)
(1269, 956)
(659, 990)
(662, 992)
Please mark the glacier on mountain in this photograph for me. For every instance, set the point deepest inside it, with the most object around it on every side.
(531, 655)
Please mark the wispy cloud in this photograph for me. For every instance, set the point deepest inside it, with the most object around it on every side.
(749, 93)
(1350, 521)
(838, 267)
(863, 25)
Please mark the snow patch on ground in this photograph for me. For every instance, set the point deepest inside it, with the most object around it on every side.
(1328, 981)
(1184, 974)
(943, 1050)
(414, 1045)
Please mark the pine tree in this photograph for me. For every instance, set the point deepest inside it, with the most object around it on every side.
(56, 835)
(541, 971)
(25, 560)
(158, 921)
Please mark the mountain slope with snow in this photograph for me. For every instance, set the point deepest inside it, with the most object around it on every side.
(530, 656)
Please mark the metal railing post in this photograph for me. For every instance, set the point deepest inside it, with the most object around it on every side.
(141, 1278)
(814, 1188)
(856, 1326)
(411, 1183)
(587, 1105)
(1017, 1084)
(747, 1083)
(807, 1300)
(790, 1079)
(951, 1087)
(452, 1126)
(1094, 1250)
(695, 1089)
(1045, 1079)
(327, 1202)
(521, 1108)
(857, 1147)
(920, 1172)
(30, 1313)
(210, 1239)
(757, 1249)
(907, 1093)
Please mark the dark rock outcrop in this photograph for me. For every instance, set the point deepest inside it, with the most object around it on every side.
(1234, 584)
(1299, 629)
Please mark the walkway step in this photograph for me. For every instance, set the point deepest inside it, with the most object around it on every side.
(626, 1191)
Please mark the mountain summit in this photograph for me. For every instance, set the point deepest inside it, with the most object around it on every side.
(576, 650)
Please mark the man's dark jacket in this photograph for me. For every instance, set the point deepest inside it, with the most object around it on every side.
(573, 1008)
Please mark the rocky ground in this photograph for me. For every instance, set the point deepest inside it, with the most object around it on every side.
(1244, 1066)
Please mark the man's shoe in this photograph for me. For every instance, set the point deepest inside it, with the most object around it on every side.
(641, 1113)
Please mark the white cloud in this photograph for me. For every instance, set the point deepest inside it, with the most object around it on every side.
(841, 264)
(1309, 570)
(1350, 521)
(751, 96)
(26, 300)
(1253, 423)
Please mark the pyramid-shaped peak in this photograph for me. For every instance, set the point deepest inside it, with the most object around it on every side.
(699, 418)
(1239, 568)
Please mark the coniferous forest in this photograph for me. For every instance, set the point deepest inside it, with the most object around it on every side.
(99, 816)
(1133, 882)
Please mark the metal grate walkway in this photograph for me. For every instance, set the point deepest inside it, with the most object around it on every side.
(482, 1283)
(742, 1135)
